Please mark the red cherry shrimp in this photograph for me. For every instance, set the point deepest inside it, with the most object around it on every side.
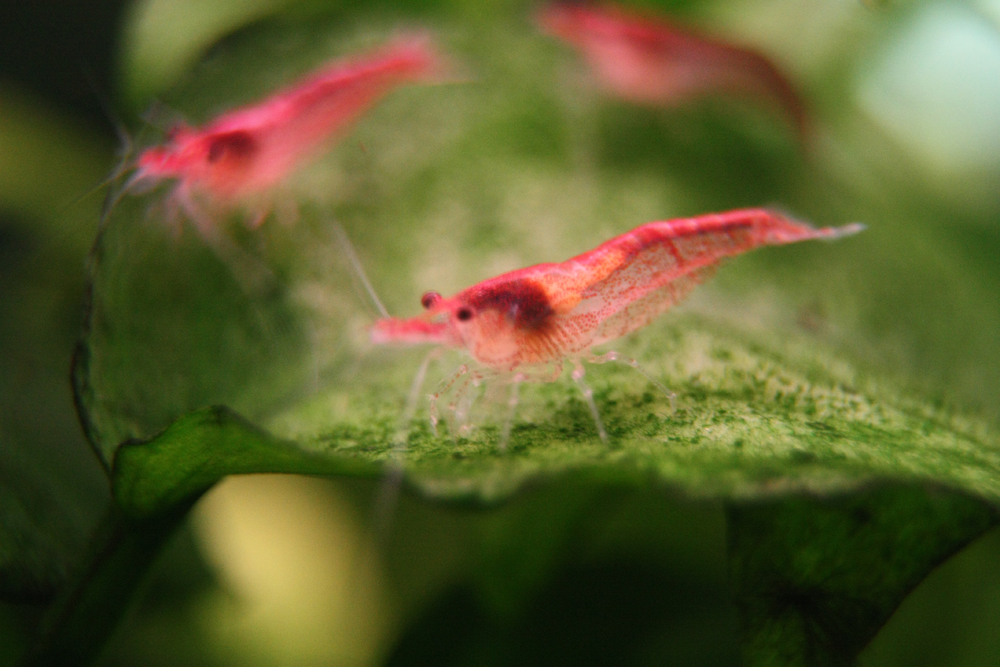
(526, 324)
(648, 60)
(241, 158)
(244, 154)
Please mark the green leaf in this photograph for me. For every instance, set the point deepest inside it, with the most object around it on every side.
(198, 450)
(816, 577)
(443, 186)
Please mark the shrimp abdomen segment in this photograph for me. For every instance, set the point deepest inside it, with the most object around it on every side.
(295, 123)
(642, 311)
(641, 274)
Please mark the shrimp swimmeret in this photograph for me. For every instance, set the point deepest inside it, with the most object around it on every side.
(244, 153)
(525, 324)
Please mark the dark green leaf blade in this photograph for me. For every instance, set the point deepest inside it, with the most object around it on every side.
(815, 578)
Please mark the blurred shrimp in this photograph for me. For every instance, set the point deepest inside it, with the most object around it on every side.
(648, 60)
(241, 156)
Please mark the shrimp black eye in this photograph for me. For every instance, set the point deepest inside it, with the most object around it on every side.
(464, 314)
(429, 299)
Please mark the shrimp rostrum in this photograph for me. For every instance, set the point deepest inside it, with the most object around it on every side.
(524, 325)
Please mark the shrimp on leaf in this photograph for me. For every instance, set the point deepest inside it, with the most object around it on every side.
(526, 324)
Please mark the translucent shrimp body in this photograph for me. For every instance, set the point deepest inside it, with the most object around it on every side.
(250, 150)
(238, 160)
(550, 312)
(525, 324)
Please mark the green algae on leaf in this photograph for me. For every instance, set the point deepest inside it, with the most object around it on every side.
(750, 421)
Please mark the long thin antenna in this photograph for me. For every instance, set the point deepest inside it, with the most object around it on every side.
(123, 154)
(348, 249)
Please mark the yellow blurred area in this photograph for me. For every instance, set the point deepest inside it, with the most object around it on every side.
(304, 580)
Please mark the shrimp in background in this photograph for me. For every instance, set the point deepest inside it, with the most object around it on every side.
(650, 61)
(524, 325)
(241, 156)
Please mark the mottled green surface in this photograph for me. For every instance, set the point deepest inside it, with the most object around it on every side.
(749, 422)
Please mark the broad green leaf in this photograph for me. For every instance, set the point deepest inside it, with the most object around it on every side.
(749, 422)
(949, 617)
(788, 370)
(815, 577)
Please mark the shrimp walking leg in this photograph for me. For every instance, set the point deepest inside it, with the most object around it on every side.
(388, 493)
(462, 370)
(588, 395)
(465, 399)
(250, 272)
(387, 498)
(628, 361)
(512, 401)
(413, 396)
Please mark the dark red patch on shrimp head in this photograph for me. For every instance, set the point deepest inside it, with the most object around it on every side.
(523, 302)
(238, 145)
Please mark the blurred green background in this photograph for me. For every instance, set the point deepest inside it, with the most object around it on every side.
(284, 570)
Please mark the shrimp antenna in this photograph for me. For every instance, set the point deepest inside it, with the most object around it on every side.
(157, 109)
(124, 152)
(113, 195)
(348, 249)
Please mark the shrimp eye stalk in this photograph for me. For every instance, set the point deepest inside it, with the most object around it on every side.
(429, 299)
